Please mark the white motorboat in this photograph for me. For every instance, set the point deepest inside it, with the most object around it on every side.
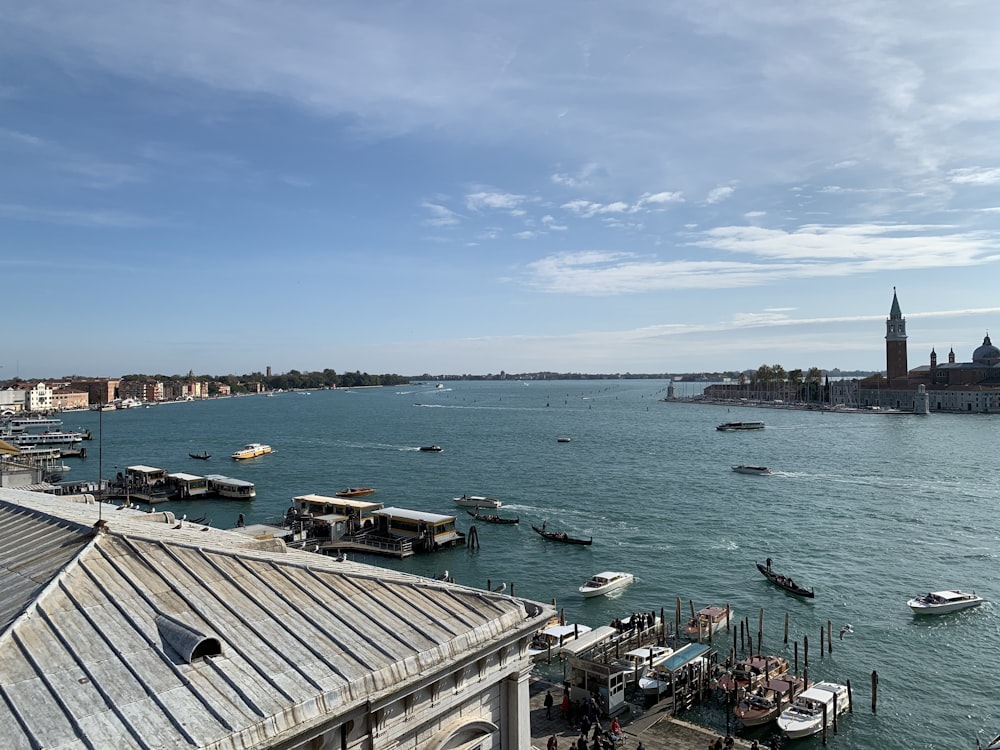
(548, 640)
(805, 716)
(641, 659)
(478, 501)
(941, 602)
(745, 469)
(605, 583)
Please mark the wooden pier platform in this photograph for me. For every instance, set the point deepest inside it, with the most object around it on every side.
(655, 728)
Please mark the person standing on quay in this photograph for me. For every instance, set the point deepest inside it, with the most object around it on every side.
(553, 743)
(548, 704)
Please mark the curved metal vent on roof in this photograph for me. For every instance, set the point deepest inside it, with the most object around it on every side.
(187, 641)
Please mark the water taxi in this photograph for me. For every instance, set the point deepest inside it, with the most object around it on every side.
(746, 469)
(356, 492)
(478, 501)
(942, 602)
(251, 450)
(707, 621)
(805, 716)
(605, 583)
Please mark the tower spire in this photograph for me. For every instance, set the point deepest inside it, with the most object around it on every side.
(895, 342)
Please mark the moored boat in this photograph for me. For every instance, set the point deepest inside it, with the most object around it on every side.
(765, 703)
(356, 492)
(805, 716)
(747, 469)
(739, 426)
(549, 639)
(707, 621)
(784, 581)
(752, 672)
(561, 536)
(251, 450)
(478, 501)
(605, 583)
(942, 602)
(493, 518)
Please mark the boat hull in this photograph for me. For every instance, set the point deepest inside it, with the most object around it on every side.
(621, 582)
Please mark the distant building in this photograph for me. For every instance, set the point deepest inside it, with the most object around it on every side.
(123, 628)
(950, 386)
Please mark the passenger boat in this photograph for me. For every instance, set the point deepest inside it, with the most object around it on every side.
(605, 583)
(552, 637)
(765, 703)
(356, 492)
(745, 469)
(738, 426)
(251, 450)
(942, 602)
(42, 438)
(492, 517)
(478, 501)
(561, 536)
(202, 456)
(784, 582)
(805, 716)
(707, 621)
(431, 448)
(237, 489)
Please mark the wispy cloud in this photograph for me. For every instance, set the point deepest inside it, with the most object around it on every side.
(78, 217)
(440, 216)
(719, 194)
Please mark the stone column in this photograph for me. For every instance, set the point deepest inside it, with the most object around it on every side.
(516, 735)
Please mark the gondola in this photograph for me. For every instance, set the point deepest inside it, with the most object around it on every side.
(492, 517)
(784, 582)
(561, 536)
(203, 456)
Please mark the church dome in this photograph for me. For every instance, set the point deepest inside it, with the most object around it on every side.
(987, 354)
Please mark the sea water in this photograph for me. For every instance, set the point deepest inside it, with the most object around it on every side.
(868, 509)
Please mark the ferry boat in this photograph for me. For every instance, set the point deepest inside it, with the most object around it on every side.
(805, 716)
(737, 426)
(605, 583)
(42, 438)
(251, 450)
(237, 489)
(942, 602)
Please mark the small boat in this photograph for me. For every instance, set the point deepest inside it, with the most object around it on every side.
(478, 501)
(431, 448)
(746, 469)
(766, 703)
(738, 426)
(750, 673)
(707, 621)
(942, 602)
(563, 440)
(356, 492)
(784, 582)
(805, 716)
(605, 583)
(202, 456)
(492, 517)
(550, 638)
(251, 450)
(561, 536)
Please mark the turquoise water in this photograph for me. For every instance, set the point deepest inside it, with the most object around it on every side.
(867, 509)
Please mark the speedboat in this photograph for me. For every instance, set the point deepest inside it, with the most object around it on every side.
(752, 672)
(763, 704)
(805, 716)
(356, 492)
(478, 501)
(745, 469)
(706, 621)
(941, 602)
(605, 583)
(251, 450)
(431, 448)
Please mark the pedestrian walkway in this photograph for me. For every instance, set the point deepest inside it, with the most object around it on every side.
(657, 730)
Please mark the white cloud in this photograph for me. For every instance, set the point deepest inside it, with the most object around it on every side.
(485, 200)
(441, 216)
(719, 194)
(975, 176)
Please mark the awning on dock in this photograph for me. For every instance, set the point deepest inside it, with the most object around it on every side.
(585, 642)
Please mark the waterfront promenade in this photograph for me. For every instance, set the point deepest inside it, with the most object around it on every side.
(656, 729)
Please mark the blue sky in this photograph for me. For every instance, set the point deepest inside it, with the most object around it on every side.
(470, 187)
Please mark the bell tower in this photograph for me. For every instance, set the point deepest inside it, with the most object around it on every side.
(895, 342)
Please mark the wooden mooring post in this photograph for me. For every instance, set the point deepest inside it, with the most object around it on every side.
(874, 689)
(786, 628)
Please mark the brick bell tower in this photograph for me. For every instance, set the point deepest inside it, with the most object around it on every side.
(895, 343)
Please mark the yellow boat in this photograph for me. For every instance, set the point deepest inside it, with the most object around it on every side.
(251, 450)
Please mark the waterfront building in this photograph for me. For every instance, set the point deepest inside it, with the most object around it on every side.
(121, 627)
(971, 387)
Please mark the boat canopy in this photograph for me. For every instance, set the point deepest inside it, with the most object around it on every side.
(561, 631)
(585, 642)
(682, 656)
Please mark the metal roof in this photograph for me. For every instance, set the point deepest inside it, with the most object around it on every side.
(104, 606)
